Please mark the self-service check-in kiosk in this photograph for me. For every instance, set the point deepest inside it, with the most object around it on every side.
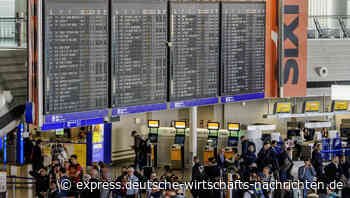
(178, 148)
(153, 126)
(233, 138)
(210, 150)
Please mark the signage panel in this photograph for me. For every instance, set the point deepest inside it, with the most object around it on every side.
(294, 65)
(234, 127)
(75, 56)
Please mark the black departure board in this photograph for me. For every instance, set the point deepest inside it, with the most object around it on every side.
(139, 52)
(75, 55)
(194, 54)
(243, 48)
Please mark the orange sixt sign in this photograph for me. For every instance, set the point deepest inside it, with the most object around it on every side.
(295, 48)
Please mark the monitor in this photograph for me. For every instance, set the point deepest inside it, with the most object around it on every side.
(179, 139)
(233, 141)
(153, 138)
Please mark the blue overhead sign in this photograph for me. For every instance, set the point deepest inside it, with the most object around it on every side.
(243, 97)
(59, 118)
(71, 124)
(70, 120)
(192, 103)
(138, 109)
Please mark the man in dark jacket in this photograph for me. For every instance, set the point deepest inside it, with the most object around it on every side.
(93, 193)
(317, 161)
(42, 182)
(267, 158)
(138, 141)
(333, 170)
(28, 148)
(198, 175)
(250, 157)
(213, 173)
(345, 166)
(286, 163)
(37, 157)
(245, 144)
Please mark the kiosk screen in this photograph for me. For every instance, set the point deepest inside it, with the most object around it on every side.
(179, 139)
(233, 141)
(153, 138)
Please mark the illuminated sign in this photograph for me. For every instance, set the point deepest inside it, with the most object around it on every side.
(213, 126)
(283, 107)
(340, 106)
(97, 142)
(233, 126)
(59, 132)
(180, 125)
(153, 123)
(312, 106)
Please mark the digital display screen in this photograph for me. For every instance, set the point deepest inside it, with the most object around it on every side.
(243, 47)
(233, 141)
(153, 138)
(234, 126)
(283, 107)
(180, 125)
(139, 52)
(213, 126)
(75, 55)
(153, 123)
(340, 105)
(312, 106)
(97, 142)
(194, 51)
(180, 139)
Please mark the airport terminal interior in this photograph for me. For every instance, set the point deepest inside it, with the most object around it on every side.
(174, 98)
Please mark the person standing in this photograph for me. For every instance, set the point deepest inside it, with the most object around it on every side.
(37, 157)
(138, 148)
(317, 161)
(307, 174)
(245, 144)
(286, 163)
(333, 171)
(197, 176)
(249, 158)
(132, 179)
(28, 148)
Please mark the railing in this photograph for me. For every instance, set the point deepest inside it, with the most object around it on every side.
(329, 27)
(13, 32)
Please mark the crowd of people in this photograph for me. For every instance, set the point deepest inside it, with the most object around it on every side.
(272, 163)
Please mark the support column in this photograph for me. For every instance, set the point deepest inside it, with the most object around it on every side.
(193, 133)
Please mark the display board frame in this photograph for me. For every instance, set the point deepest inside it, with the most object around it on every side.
(249, 94)
(44, 41)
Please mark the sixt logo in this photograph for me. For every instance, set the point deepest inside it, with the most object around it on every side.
(291, 53)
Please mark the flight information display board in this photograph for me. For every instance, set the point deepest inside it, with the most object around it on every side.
(75, 55)
(194, 53)
(243, 48)
(139, 52)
